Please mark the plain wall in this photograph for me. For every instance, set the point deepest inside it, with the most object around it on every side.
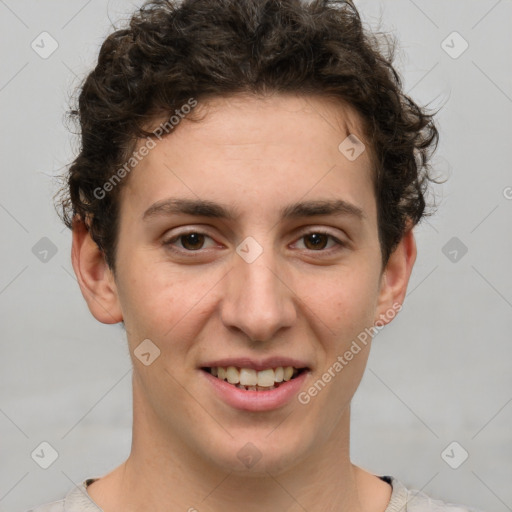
(440, 372)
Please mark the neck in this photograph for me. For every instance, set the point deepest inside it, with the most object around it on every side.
(162, 473)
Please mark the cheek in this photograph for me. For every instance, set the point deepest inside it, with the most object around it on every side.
(153, 299)
(345, 300)
(167, 304)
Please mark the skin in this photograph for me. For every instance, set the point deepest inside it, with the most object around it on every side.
(256, 155)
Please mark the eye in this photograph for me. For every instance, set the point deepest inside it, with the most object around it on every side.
(191, 241)
(317, 241)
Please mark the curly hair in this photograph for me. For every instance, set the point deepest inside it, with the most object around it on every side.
(172, 51)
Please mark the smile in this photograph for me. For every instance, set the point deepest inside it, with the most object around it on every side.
(249, 379)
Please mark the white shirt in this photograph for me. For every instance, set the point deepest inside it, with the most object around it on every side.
(402, 500)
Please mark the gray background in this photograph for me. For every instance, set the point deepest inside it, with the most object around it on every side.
(440, 372)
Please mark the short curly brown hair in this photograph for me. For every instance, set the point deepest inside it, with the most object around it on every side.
(172, 51)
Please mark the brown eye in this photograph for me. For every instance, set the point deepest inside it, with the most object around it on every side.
(317, 240)
(192, 241)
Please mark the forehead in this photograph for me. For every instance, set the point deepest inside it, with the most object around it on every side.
(336, 113)
(283, 146)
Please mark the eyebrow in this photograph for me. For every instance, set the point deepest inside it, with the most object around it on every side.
(205, 208)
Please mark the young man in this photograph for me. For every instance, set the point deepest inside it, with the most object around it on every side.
(244, 201)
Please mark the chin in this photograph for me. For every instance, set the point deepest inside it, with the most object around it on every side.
(257, 454)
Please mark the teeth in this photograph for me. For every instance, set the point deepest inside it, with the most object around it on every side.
(249, 379)
(288, 372)
(233, 375)
(266, 378)
(254, 388)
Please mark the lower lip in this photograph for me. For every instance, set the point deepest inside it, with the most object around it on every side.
(256, 400)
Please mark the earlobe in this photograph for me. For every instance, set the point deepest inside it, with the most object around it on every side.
(395, 278)
(94, 276)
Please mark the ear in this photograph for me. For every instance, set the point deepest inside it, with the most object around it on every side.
(395, 278)
(94, 276)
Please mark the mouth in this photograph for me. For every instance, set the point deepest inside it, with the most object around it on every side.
(249, 379)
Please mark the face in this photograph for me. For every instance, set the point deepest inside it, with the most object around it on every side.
(237, 283)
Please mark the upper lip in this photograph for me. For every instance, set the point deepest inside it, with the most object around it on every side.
(258, 365)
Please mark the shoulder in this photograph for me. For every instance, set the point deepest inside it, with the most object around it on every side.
(410, 500)
(54, 506)
(77, 500)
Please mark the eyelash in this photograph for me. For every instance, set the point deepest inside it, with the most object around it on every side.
(188, 253)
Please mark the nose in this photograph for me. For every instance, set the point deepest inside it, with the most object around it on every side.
(258, 301)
